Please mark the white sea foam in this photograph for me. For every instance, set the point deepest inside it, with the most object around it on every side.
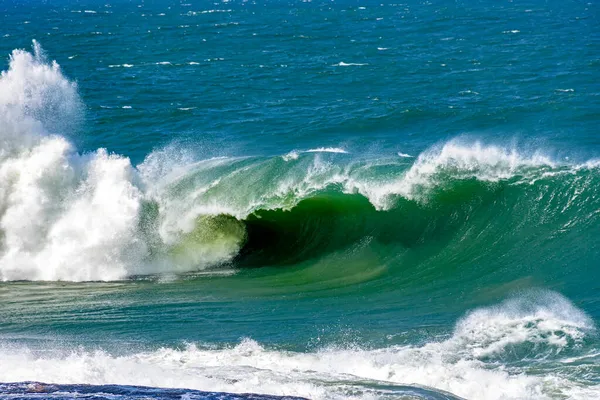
(343, 64)
(194, 13)
(295, 154)
(327, 150)
(455, 158)
(292, 155)
(56, 206)
(66, 216)
(460, 364)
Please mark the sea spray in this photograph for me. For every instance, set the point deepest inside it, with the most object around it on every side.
(58, 207)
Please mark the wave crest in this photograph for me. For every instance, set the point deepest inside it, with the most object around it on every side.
(67, 216)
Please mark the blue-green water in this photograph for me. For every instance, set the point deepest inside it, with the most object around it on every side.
(329, 200)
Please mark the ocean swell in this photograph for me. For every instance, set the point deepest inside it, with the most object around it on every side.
(84, 217)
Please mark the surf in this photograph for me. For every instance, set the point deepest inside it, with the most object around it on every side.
(486, 348)
(95, 216)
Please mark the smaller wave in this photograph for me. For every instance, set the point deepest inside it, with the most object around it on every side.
(468, 92)
(292, 155)
(343, 64)
(327, 150)
(484, 351)
(194, 13)
(404, 155)
(542, 319)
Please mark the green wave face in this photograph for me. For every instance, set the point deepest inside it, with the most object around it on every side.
(456, 225)
(214, 239)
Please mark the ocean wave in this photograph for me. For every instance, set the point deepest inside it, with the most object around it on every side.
(344, 64)
(327, 150)
(461, 364)
(97, 217)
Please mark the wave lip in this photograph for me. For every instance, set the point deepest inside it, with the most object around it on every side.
(455, 161)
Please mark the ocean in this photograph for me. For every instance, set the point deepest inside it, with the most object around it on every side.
(310, 199)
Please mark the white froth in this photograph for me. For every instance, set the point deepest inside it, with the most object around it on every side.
(56, 206)
(344, 64)
(461, 161)
(292, 155)
(455, 365)
(327, 150)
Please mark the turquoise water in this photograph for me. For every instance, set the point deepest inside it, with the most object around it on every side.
(329, 200)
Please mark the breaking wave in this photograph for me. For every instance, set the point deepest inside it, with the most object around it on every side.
(81, 217)
(485, 351)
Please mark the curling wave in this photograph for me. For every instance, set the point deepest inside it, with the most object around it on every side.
(80, 217)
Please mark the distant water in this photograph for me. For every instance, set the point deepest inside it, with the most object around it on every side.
(328, 200)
